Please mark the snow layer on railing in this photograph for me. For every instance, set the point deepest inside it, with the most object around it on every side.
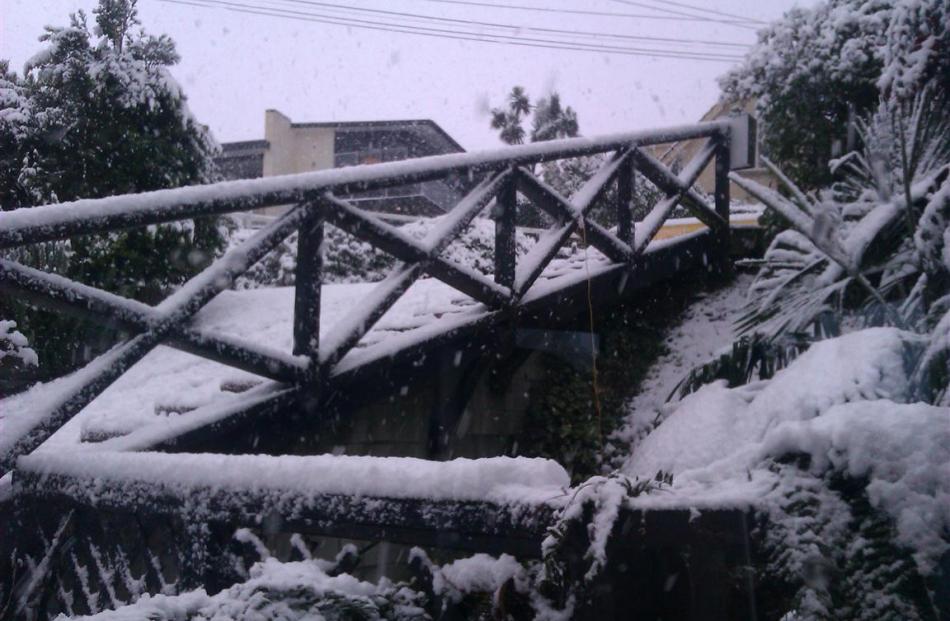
(292, 187)
(498, 479)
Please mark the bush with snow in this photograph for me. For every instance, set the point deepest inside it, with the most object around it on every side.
(815, 67)
(14, 346)
(348, 259)
(96, 113)
(840, 454)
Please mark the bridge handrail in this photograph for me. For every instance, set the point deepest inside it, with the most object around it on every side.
(59, 221)
(319, 197)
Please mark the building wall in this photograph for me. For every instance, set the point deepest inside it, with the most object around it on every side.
(295, 149)
(679, 154)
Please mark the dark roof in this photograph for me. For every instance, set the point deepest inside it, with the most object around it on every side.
(411, 123)
(244, 145)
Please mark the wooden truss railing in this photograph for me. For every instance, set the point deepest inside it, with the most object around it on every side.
(319, 198)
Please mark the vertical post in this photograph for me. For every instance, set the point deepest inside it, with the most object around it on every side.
(506, 207)
(723, 240)
(625, 187)
(309, 278)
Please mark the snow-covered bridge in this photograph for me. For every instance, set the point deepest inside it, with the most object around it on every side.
(290, 351)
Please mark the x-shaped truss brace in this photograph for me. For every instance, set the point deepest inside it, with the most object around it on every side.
(168, 322)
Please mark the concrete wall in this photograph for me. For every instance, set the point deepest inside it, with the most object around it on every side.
(679, 154)
(295, 149)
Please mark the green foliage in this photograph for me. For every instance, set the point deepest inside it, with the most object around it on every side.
(828, 554)
(752, 358)
(97, 114)
(564, 422)
(575, 549)
(867, 244)
(815, 69)
(550, 121)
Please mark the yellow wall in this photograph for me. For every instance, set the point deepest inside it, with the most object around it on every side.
(295, 149)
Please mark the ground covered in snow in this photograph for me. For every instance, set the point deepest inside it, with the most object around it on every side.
(705, 330)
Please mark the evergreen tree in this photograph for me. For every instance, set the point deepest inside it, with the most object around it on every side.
(97, 113)
(814, 71)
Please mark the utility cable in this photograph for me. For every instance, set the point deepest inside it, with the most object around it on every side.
(586, 12)
(711, 11)
(513, 27)
(457, 35)
(732, 22)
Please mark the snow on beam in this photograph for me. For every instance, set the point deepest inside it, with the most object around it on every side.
(256, 411)
(555, 205)
(658, 215)
(63, 220)
(502, 503)
(666, 181)
(61, 294)
(95, 377)
(369, 228)
(351, 328)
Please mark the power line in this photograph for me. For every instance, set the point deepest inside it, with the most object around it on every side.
(456, 35)
(731, 22)
(517, 28)
(711, 11)
(587, 12)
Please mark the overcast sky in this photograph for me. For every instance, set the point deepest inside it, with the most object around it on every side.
(235, 64)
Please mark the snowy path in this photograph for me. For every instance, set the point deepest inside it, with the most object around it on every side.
(704, 331)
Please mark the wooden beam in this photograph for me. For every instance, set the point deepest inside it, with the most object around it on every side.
(625, 188)
(347, 333)
(308, 282)
(51, 222)
(723, 231)
(475, 526)
(63, 295)
(664, 179)
(654, 220)
(505, 215)
(549, 200)
(170, 315)
(371, 229)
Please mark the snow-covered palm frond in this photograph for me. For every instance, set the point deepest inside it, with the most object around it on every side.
(904, 144)
(869, 237)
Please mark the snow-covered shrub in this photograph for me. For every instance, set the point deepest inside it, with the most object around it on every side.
(96, 113)
(14, 346)
(848, 477)
(279, 591)
(345, 259)
(475, 247)
(875, 241)
(815, 67)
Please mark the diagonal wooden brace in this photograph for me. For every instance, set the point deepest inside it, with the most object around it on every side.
(169, 315)
(343, 337)
(664, 179)
(389, 239)
(58, 293)
(563, 210)
(654, 220)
